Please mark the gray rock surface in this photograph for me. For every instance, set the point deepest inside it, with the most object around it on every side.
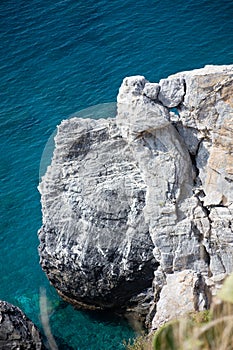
(136, 112)
(17, 332)
(144, 200)
(95, 246)
(151, 90)
(171, 92)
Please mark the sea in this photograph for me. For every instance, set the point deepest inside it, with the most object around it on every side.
(64, 57)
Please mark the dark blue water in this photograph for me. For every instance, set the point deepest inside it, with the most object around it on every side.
(59, 57)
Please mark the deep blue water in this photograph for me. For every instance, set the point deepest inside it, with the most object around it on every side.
(59, 57)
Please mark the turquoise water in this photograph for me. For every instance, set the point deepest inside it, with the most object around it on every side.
(59, 57)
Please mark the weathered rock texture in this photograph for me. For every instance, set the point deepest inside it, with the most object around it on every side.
(95, 245)
(144, 200)
(16, 330)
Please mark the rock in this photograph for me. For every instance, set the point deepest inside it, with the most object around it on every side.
(95, 246)
(151, 90)
(176, 297)
(208, 109)
(220, 240)
(16, 330)
(143, 202)
(171, 92)
(136, 113)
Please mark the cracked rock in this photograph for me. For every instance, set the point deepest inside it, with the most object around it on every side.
(146, 199)
(95, 246)
(136, 113)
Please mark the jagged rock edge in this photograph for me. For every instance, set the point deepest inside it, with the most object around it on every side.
(205, 208)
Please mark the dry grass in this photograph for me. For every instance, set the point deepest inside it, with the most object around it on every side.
(143, 342)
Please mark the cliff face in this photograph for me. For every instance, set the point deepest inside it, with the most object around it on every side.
(95, 244)
(141, 206)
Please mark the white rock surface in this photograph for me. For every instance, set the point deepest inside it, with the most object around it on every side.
(153, 188)
(176, 297)
(95, 246)
(136, 113)
(171, 92)
(151, 90)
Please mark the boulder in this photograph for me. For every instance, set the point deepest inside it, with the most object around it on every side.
(136, 113)
(16, 330)
(151, 90)
(95, 246)
(171, 92)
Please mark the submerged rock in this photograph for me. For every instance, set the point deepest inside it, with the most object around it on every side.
(16, 330)
(142, 204)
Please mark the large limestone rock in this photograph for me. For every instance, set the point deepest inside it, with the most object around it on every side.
(144, 201)
(95, 245)
(16, 330)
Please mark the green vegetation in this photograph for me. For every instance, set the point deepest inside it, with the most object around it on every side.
(206, 330)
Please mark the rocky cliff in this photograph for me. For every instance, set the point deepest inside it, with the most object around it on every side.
(137, 210)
